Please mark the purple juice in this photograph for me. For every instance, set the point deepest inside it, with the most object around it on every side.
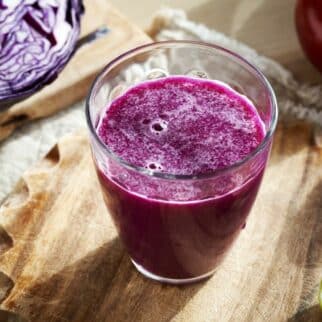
(178, 126)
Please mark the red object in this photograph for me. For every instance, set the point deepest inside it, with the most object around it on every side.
(308, 18)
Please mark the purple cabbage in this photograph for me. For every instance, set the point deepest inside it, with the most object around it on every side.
(37, 39)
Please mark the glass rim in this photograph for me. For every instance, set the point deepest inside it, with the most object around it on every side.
(164, 175)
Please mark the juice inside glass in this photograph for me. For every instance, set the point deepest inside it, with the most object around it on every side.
(180, 134)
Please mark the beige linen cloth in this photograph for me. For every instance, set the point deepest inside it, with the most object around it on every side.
(31, 142)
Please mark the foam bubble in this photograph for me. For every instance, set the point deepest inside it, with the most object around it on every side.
(154, 166)
(158, 126)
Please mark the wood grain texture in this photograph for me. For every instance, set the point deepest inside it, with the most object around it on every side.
(61, 259)
(74, 81)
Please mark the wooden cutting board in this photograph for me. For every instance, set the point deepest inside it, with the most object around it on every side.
(74, 81)
(61, 259)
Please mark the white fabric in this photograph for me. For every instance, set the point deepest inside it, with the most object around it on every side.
(299, 100)
(31, 142)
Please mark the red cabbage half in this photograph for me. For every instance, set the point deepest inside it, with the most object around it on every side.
(37, 38)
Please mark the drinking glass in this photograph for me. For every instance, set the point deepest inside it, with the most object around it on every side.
(178, 228)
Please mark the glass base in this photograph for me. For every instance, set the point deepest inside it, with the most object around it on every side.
(175, 281)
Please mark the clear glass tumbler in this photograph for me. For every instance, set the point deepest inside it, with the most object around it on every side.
(184, 239)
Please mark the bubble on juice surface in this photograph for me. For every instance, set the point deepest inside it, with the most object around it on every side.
(158, 126)
(154, 166)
